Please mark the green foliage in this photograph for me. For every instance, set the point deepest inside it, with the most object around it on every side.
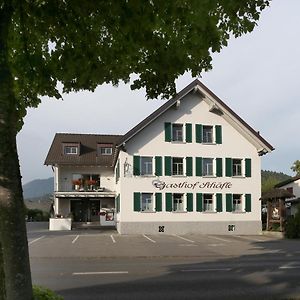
(41, 293)
(36, 215)
(292, 227)
(270, 178)
(83, 46)
(296, 167)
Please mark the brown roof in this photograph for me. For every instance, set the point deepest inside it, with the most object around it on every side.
(173, 100)
(88, 149)
(277, 193)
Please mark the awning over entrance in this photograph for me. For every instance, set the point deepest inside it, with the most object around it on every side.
(84, 194)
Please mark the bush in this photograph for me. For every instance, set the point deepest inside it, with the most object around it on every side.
(41, 293)
(36, 215)
(292, 227)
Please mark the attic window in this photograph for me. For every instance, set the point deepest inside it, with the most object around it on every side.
(105, 149)
(71, 149)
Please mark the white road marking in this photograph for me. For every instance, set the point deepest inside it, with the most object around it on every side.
(41, 237)
(73, 242)
(215, 245)
(149, 238)
(184, 238)
(207, 270)
(219, 239)
(291, 265)
(187, 245)
(100, 273)
(113, 239)
(249, 238)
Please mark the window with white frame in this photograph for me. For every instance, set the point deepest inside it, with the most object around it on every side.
(146, 202)
(178, 202)
(177, 132)
(237, 202)
(70, 149)
(207, 167)
(208, 202)
(177, 166)
(208, 134)
(146, 165)
(236, 167)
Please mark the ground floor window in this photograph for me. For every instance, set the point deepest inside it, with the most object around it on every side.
(178, 202)
(146, 202)
(207, 202)
(237, 202)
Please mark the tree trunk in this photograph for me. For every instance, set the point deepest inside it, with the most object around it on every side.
(14, 258)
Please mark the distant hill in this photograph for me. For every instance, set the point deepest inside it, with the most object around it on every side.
(43, 203)
(38, 188)
(270, 178)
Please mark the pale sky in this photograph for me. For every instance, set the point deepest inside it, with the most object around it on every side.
(257, 76)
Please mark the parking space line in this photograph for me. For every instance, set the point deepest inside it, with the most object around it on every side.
(100, 273)
(217, 238)
(33, 241)
(250, 238)
(185, 239)
(73, 242)
(206, 270)
(149, 238)
(112, 238)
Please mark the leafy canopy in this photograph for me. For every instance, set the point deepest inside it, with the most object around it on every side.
(296, 167)
(83, 44)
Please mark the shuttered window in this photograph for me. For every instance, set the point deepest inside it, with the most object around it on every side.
(158, 201)
(136, 201)
(168, 132)
(219, 202)
(189, 198)
(158, 165)
(248, 203)
(198, 166)
(229, 202)
(189, 166)
(199, 202)
(188, 133)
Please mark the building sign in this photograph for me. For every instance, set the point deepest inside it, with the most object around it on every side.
(161, 185)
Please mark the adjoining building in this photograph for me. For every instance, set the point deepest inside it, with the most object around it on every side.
(192, 166)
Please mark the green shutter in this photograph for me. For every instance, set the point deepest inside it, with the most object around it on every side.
(248, 167)
(248, 203)
(168, 201)
(198, 166)
(218, 129)
(136, 201)
(189, 200)
(188, 133)
(189, 166)
(199, 202)
(228, 164)
(198, 133)
(117, 203)
(219, 202)
(136, 165)
(158, 202)
(219, 167)
(168, 166)
(158, 166)
(168, 132)
(229, 202)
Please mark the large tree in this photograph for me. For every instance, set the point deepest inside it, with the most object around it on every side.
(80, 45)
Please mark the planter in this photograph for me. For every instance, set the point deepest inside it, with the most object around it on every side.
(60, 224)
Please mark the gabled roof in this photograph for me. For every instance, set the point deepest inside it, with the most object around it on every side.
(199, 87)
(290, 180)
(88, 149)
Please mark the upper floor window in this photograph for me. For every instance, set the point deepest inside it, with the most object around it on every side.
(177, 166)
(207, 134)
(146, 202)
(207, 167)
(105, 149)
(146, 165)
(177, 132)
(236, 167)
(71, 149)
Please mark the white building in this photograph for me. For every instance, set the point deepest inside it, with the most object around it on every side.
(192, 166)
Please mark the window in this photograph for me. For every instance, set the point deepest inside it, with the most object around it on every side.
(85, 182)
(207, 134)
(208, 202)
(146, 202)
(105, 149)
(177, 166)
(177, 132)
(237, 202)
(236, 167)
(146, 165)
(207, 167)
(178, 202)
(70, 150)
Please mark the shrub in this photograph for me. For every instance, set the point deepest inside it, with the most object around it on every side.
(292, 227)
(37, 215)
(41, 293)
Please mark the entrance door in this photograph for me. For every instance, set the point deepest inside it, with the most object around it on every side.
(85, 210)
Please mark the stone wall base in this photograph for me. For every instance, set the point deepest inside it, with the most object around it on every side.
(220, 228)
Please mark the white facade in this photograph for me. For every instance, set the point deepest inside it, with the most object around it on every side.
(193, 166)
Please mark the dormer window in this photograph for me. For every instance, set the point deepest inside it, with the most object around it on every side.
(105, 149)
(71, 149)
